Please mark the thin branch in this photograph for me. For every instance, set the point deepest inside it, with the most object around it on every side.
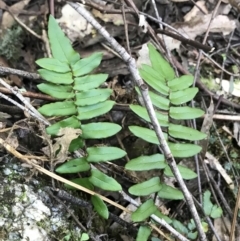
(30, 109)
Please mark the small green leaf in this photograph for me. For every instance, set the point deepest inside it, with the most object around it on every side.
(216, 212)
(86, 65)
(57, 91)
(144, 211)
(99, 130)
(76, 144)
(192, 235)
(160, 64)
(185, 172)
(104, 153)
(61, 46)
(145, 134)
(90, 111)
(74, 166)
(164, 217)
(92, 97)
(159, 101)
(142, 112)
(58, 109)
(184, 149)
(207, 204)
(89, 82)
(205, 227)
(84, 182)
(181, 83)
(150, 78)
(99, 206)
(145, 163)
(179, 227)
(169, 192)
(182, 96)
(56, 78)
(84, 237)
(185, 113)
(103, 181)
(69, 122)
(146, 188)
(185, 133)
(54, 65)
(143, 233)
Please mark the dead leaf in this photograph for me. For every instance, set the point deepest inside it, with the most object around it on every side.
(143, 56)
(196, 11)
(7, 19)
(231, 87)
(220, 227)
(214, 163)
(235, 3)
(73, 24)
(198, 26)
(63, 142)
(116, 19)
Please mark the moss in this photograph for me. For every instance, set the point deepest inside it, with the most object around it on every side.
(11, 43)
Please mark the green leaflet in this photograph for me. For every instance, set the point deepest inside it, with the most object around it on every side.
(57, 91)
(159, 101)
(104, 182)
(209, 209)
(86, 65)
(185, 133)
(146, 188)
(90, 111)
(160, 64)
(92, 97)
(169, 192)
(104, 153)
(56, 78)
(74, 166)
(88, 82)
(154, 82)
(60, 45)
(69, 122)
(164, 217)
(216, 212)
(99, 130)
(84, 182)
(179, 227)
(143, 233)
(99, 206)
(185, 113)
(142, 112)
(76, 144)
(182, 96)
(145, 163)
(183, 149)
(53, 65)
(145, 134)
(181, 83)
(207, 204)
(186, 173)
(84, 237)
(144, 211)
(64, 108)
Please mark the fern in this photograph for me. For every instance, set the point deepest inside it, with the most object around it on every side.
(69, 80)
(168, 95)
